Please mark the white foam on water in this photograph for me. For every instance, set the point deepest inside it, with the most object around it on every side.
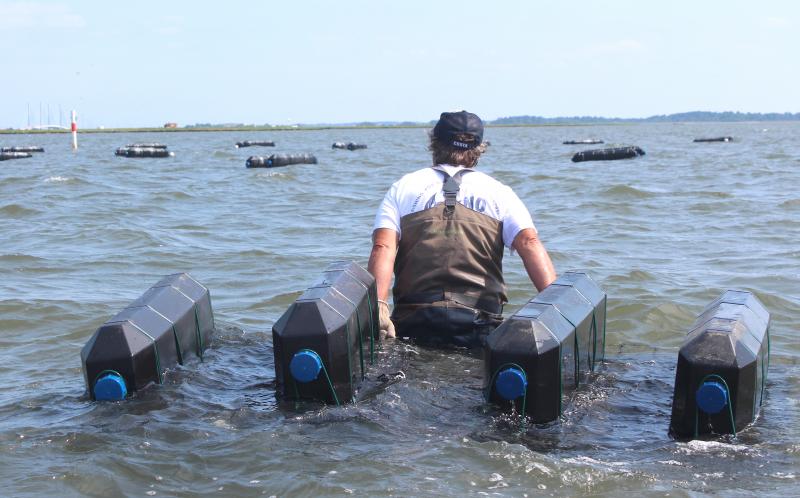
(594, 462)
(717, 447)
(714, 475)
(538, 466)
(57, 179)
(223, 424)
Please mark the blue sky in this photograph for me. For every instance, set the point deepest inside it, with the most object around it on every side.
(145, 63)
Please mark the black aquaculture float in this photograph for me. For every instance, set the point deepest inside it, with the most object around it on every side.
(321, 341)
(255, 143)
(722, 368)
(151, 145)
(610, 154)
(6, 156)
(170, 321)
(714, 139)
(543, 351)
(143, 152)
(588, 141)
(348, 145)
(276, 160)
(22, 148)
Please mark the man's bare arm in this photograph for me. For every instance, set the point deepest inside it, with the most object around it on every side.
(381, 259)
(535, 258)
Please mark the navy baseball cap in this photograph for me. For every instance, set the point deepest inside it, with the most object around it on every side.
(452, 124)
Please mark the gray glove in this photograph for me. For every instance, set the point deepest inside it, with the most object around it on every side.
(386, 325)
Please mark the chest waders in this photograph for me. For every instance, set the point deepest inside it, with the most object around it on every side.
(448, 272)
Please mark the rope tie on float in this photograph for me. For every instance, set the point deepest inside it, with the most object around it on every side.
(159, 374)
(174, 333)
(200, 345)
(324, 371)
(371, 331)
(577, 351)
(509, 366)
(727, 392)
(360, 339)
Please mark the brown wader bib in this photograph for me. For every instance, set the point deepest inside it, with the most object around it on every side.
(449, 273)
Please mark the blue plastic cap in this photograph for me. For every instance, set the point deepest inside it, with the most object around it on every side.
(711, 397)
(511, 383)
(305, 366)
(110, 387)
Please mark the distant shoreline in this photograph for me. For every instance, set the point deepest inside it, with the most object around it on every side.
(208, 129)
(241, 129)
(244, 129)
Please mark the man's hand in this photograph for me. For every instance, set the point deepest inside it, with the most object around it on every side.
(386, 325)
(381, 266)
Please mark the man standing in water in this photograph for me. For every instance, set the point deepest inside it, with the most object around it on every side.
(442, 231)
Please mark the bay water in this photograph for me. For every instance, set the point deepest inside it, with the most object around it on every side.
(85, 233)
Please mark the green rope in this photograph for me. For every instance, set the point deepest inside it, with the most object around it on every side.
(327, 377)
(577, 351)
(764, 370)
(594, 342)
(211, 308)
(106, 371)
(371, 331)
(200, 345)
(360, 338)
(728, 402)
(560, 380)
(178, 347)
(177, 344)
(360, 344)
(159, 374)
(605, 320)
(490, 388)
(349, 361)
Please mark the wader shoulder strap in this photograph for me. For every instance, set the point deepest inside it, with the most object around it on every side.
(450, 188)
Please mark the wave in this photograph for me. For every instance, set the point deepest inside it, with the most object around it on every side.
(174, 195)
(58, 179)
(20, 258)
(708, 193)
(224, 155)
(790, 204)
(627, 192)
(13, 181)
(17, 210)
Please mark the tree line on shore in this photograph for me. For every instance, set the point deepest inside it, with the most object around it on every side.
(695, 116)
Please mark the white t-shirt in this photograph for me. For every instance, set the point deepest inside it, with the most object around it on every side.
(480, 192)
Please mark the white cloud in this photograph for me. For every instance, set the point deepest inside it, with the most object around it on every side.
(617, 47)
(25, 15)
(776, 22)
(171, 26)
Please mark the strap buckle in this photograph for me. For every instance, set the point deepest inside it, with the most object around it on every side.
(450, 188)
